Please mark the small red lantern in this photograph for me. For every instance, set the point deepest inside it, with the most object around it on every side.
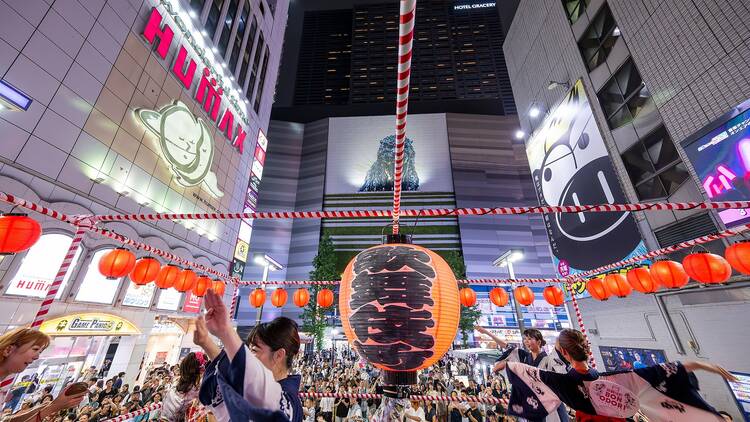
(116, 263)
(167, 276)
(202, 284)
(707, 268)
(499, 296)
(18, 232)
(325, 298)
(738, 256)
(219, 287)
(145, 271)
(468, 297)
(596, 289)
(640, 280)
(258, 297)
(301, 297)
(617, 285)
(524, 295)
(554, 295)
(669, 274)
(185, 280)
(278, 297)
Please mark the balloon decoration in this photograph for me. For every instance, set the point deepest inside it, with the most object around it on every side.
(669, 274)
(185, 280)
(202, 284)
(399, 307)
(707, 268)
(640, 280)
(468, 297)
(301, 297)
(524, 295)
(617, 285)
(499, 296)
(219, 287)
(145, 271)
(258, 298)
(18, 232)
(278, 297)
(325, 298)
(554, 295)
(738, 256)
(596, 289)
(167, 276)
(116, 263)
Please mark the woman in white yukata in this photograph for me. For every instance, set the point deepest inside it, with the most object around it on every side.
(249, 382)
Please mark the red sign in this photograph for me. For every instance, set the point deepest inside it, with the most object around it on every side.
(207, 94)
(260, 155)
(192, 303)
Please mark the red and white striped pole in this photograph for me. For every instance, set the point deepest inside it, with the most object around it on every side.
(51, 293)
(581, 327)
(235, 295)
(405, 38)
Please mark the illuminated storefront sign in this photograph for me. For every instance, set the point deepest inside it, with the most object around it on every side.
(186, 144)
(40, 265)
(192, 303)
(474, 6)
(89, 324)
(210, 91)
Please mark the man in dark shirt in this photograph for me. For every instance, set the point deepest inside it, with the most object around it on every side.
(475, 413)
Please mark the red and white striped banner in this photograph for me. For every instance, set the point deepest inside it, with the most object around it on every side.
(405, 40)
(12, 199)
(436, 212)
(419, 397)
(135, 413)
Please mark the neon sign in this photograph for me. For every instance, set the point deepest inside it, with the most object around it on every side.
(208, 93)
(185, 143)
(473, 6)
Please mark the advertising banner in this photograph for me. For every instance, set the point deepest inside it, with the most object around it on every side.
(89, 324)
(741, 393)
(721, 158)
(626, 358)
(570, 165)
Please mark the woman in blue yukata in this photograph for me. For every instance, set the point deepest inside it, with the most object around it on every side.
(249, 382)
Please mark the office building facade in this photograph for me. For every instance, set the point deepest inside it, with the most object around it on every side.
(661, 83)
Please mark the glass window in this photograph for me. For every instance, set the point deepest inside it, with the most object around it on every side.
(254, 72)
(169, 299)
(197, 5)
(139, 296)
(95, 287)
(625, 96)
(599, 39)
(575, 8)
(40, 265)
(654, 166)
(261, 83)
(213, 17)
(248, 50)
(226, 31)
(241, 26)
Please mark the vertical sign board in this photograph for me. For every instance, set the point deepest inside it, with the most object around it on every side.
(570, 165)
(741, 392)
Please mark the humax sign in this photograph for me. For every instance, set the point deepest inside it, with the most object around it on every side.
(208, 93)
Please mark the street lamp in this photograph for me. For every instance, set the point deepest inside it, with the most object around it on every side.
(268, 264)
(506, 260)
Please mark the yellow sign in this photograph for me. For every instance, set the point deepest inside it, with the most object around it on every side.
(240, 251)
(89, 324)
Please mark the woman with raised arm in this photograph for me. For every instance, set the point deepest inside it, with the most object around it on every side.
(253, 381)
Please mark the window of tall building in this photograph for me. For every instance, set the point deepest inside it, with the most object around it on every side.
(213, 16)
(197, 5)
(226, 31)
(654, 166)
(625, 96)
(599, 38)
(254, 71)
(248, 50)
(261, 82)
(241, 26)
(575, 8)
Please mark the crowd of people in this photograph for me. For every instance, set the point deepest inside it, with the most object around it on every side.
(260, 378)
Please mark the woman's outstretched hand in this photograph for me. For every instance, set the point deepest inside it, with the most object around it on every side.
(219, 324)
(709, 367)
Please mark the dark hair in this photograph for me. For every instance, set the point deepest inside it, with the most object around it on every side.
(724, 413)
(573, 342)
(281, 333)
(190, 373)
(535, 334)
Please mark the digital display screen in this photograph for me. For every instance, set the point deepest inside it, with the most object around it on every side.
(721, 159)
(627, 358)
(741, 392)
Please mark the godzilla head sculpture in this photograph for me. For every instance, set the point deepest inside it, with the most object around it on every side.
(380, 175)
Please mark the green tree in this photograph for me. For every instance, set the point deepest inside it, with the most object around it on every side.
(324, 269)
(469, 315)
